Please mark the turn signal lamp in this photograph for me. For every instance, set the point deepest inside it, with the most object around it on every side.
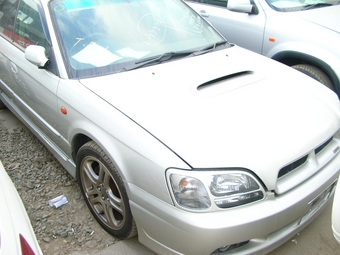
(189, 192)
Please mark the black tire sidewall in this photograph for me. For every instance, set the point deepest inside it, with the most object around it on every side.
(315, 73)
(92, 149)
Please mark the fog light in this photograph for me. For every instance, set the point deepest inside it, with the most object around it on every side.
(230, 247)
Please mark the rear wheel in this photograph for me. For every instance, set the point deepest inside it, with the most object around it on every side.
(315, 73)
(104, 191)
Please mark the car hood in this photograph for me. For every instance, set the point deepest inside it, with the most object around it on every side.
(327, 17)
(230, 108)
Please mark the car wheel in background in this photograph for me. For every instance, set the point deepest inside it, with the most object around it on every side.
(104, 192)
(315, 73)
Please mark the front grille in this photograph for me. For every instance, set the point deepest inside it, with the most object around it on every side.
(323, 146)
(291, 167)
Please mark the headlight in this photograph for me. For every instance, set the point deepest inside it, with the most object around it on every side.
(189, 192)
(195, 190)
(233, 189)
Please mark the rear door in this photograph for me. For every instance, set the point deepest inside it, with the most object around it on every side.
(243, 29)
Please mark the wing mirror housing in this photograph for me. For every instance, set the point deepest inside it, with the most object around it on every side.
(245, 6)
(36, 55)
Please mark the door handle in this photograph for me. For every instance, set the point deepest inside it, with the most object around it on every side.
(204, 14)
(14, 68)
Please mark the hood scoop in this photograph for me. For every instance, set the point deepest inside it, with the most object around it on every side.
(228, 83)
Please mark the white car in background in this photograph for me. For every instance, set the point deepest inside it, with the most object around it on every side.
(16, 233)
(336, 214)
(303, 34)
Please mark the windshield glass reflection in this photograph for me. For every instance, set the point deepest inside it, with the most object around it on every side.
(104, 36)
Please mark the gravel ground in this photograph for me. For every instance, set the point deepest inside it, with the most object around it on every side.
(71, 229)
(39, 177)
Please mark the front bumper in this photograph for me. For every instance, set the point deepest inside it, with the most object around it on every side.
(267, 224)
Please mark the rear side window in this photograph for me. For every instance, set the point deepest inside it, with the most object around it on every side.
(8, 13)
(21, 24)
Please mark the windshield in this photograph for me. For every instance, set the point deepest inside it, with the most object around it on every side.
(108, 36)
(299, 5)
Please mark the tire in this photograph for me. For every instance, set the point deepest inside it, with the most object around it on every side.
(316, 74)
(104, 191)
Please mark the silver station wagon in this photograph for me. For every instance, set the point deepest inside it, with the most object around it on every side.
(196, 145)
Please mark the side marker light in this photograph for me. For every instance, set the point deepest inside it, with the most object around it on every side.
(63, 110)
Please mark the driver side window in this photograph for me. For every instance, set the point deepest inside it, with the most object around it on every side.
(28, 28)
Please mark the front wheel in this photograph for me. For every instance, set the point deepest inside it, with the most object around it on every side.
(315, 73)
(104, 192)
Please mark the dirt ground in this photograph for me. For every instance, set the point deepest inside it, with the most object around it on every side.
(39, 177)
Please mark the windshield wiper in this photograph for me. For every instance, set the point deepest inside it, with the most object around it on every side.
(313, 6)
(171, 55)
(211, 47)
(157, 59)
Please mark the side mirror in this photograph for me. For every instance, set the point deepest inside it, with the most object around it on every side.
(36, 55)
(244, 6)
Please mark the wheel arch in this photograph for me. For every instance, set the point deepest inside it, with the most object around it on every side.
(291, 58)
(82, 137)
(78, 141)
(134, 152)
